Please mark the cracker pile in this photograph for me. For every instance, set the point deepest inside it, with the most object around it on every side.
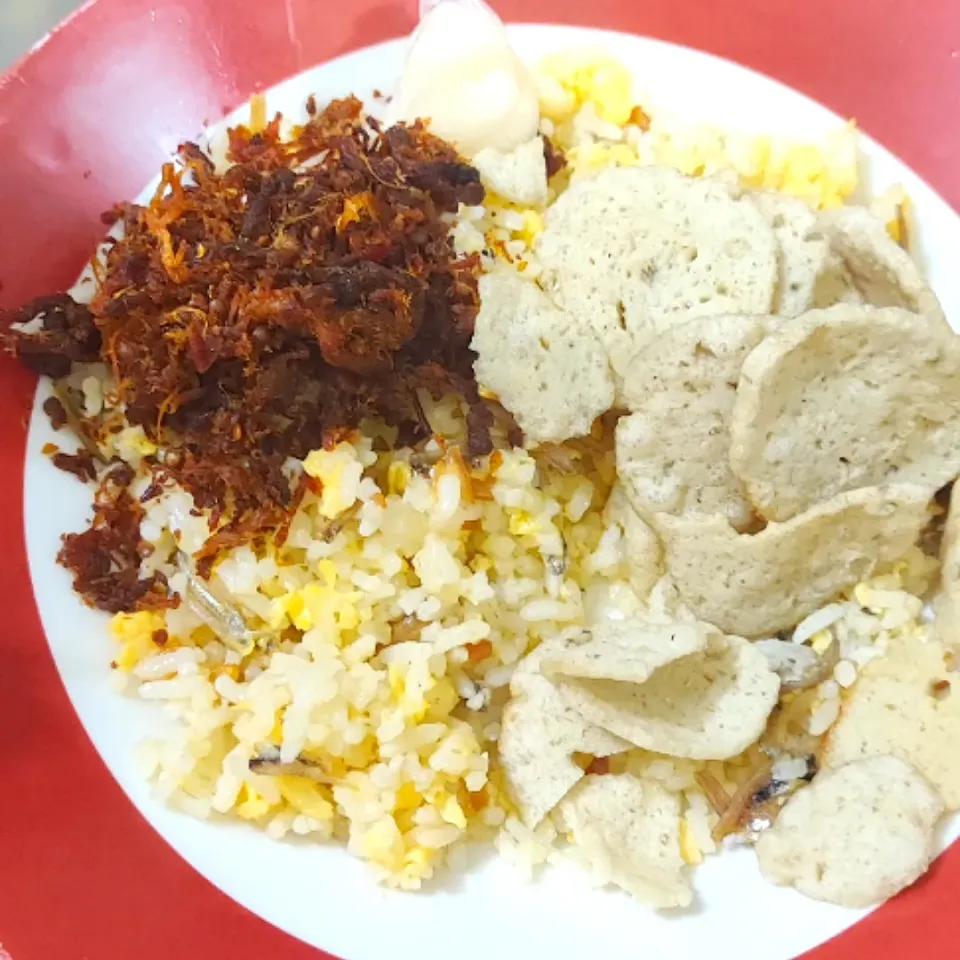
(788, 392)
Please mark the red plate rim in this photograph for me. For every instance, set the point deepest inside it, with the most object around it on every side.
(87, 118)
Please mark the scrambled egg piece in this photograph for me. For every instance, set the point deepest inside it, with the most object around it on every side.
(412, 703)
(131, 444)
(532, 228)
(452, 813)
(252, 805)
(419, 695)
(689, 848)
(305, 797)
(583, 76)
(339, 471)
(318, 604)
(382, 844)
(398, 476)
(825, 176)
(134, 632)
(821, 641)
(592, 157)
(522, 524)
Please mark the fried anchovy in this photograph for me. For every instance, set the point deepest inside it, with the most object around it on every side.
(268, 763)
(225, 620)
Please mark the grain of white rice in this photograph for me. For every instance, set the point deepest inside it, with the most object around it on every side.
(579, 503)
(498, 677)
(828, 690)
(819, 620)
(701, 818)
(588, 125)
(182, 662)
(824, 717)
(436, 565)
(429, 609)
(479, 701)
(448, 498)
(92, 396)
(539, 611)
(845, 673)
(180, 688)
(608, 553)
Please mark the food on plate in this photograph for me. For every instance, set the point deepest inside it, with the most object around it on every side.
(857, 835)
(539, 736)
(755, 585)
(707, 704)
(636, 250)
(642, 551)
(574, 78)
(423, 506)
(628, 651)
(462, 74)
(904, 704)
(803, 251)
(628, 829)
(549, 370)
(673, 448)
(835, 284)
(519, 176)
(245, 319)
(842, 399)
(881, 271)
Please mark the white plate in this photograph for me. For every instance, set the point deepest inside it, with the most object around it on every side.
(319, 893)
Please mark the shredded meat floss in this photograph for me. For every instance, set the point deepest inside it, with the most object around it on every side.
(253, 314)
